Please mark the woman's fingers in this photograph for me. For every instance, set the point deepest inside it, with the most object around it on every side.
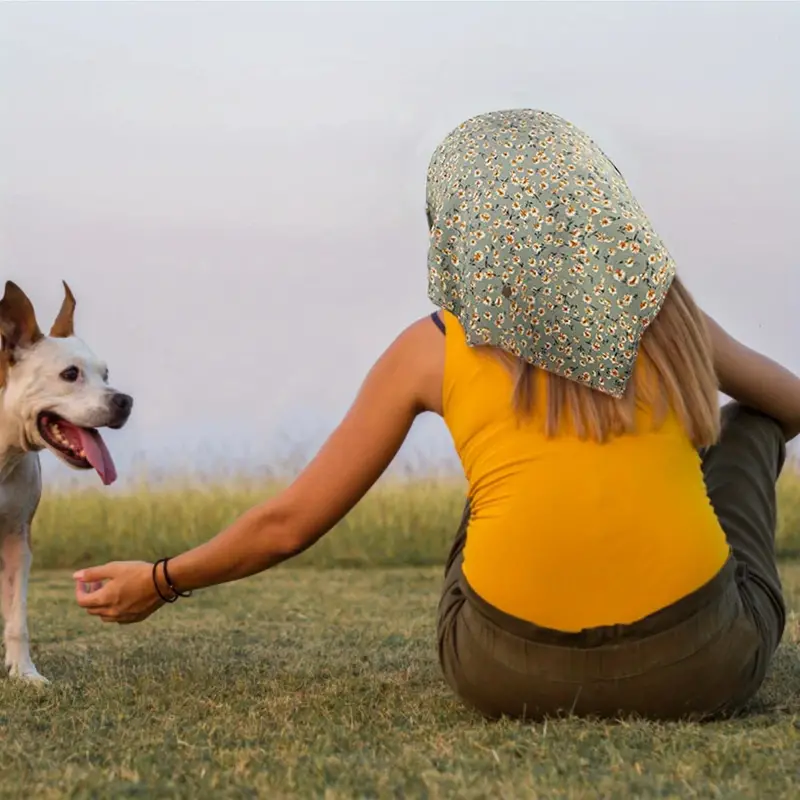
(92, 599)
(116, 597)
(100, 573)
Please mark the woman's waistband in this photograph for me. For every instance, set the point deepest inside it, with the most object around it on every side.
(705, 599)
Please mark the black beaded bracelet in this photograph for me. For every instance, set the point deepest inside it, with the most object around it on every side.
(171, 585)
(155, 582)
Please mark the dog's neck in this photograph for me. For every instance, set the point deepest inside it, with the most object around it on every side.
(13, 444)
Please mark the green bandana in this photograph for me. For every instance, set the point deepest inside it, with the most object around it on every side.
(539, 248)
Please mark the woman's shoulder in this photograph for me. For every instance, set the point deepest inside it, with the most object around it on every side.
(420, 349)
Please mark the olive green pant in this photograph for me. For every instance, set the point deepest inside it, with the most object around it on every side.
(702, 657)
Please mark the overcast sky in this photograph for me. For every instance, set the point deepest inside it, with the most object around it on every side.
(235, 192)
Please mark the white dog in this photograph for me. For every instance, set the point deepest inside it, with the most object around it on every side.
(54, 393)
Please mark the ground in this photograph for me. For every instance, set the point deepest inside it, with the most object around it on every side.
(312, 683)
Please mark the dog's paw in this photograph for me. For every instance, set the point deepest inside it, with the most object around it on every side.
(27, 673)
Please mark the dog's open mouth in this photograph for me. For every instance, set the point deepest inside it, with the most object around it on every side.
(82, 448)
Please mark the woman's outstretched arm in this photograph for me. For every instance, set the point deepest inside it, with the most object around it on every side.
(405, 381)
(755, 380)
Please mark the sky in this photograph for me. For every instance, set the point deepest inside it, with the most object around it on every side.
(236, 192)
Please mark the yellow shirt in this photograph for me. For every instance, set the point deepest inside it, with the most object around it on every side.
(571, 534)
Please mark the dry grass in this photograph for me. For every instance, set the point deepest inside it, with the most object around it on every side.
(398, 524)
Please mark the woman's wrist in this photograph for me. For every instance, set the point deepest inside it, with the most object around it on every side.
(163, 583)
(174, 577)
(160, 584)
(171, 584)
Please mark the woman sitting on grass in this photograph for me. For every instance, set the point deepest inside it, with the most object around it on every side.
(616, 553)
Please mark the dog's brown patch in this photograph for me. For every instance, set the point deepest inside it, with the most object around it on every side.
(63, 326)
(4, 365)
(18, 326)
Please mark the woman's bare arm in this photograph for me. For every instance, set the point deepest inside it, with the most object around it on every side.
(404, 382)
(755, 380)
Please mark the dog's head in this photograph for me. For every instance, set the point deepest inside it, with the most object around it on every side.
(54, 388)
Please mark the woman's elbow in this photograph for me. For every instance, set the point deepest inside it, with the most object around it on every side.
(281, 531)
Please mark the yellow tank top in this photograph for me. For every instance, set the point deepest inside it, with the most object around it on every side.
(571, 534)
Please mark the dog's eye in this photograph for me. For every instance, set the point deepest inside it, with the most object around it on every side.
(70, 374)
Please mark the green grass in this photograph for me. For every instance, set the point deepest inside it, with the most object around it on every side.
(324, 683)
(398, 524)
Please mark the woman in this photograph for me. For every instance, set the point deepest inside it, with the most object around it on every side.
(616, 553)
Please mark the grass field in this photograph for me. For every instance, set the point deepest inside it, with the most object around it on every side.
(407, 523)
(323, 681)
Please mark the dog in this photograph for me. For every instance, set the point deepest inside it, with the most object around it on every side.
(54, 395)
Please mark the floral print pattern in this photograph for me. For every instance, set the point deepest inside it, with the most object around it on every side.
(539, 248)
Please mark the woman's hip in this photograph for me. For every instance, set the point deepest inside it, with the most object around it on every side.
(699, 657)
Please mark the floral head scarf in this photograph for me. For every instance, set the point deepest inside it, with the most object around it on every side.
(539, 248)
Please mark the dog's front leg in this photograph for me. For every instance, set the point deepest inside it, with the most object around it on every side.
(16, 553)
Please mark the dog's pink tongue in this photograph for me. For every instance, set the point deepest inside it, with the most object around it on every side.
(97, 455)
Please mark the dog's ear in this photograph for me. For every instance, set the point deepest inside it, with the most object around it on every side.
(18, 326)
(63, 326)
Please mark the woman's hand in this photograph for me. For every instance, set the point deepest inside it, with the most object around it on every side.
(121, 591)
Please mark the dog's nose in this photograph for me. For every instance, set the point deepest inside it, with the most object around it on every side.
(122, 402)
(120, 406)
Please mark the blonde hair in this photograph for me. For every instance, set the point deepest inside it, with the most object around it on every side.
(674, 370)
